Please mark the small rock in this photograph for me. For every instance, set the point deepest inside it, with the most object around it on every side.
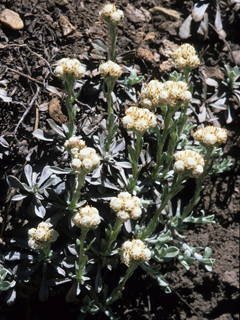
(134, 15)
(61, 2)
(168, 48)
(150, 37)
(230, 278)
(55, 111)
(145, 54)
(225, 316)
(66, 25)
(214, 72)
(11, 19)
(166, 66)
(236, 57)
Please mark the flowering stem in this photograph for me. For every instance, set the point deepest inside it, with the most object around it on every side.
(175, 188)
(110, 85)
(199, 186)
(71, 115)
(134, 160)
(81, 260)
(117, 293)
(113, 236)
(113, 38)
(161, 141)
(78, 184)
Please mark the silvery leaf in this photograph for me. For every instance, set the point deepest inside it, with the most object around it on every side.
(198, 12)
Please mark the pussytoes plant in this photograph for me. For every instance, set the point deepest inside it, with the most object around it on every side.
(107, 206)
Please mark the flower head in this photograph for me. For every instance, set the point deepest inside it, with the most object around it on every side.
(87, 217)
(74, 145)
(85, 159)
(126, 206)
(110, 14)
(135, 250)
(210, 136)
(150, 95)
(189, 161)
(158, 94)
(139, 119)
(69, 69)
(185, 56)
(110, 69)
(41, 235)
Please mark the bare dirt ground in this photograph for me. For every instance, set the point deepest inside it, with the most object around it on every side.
(27, 57)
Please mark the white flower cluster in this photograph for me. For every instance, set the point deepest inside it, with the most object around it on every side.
(185, 56)
(139, 119)
(110, 14)
(110, 69)
(85, 159)
(126, 206)
(69, 68)
(189, 161)
(73, 145)
(38, 237)
(157, 94)
(135, 250)
(153, 95)
(87, 217)
(211, 136)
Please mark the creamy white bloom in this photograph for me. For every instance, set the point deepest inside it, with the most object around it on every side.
(123, 215)
(185, 56)
(135, 250)
(152, 95)
(117, 16)
(211, 136)
(110, 69)
(34, 244)
(157, 94)
(41, 235)
(139, 119)
(69, 68)
(189, 161)
(110, 14)
(76, 164)
(74, 145)
(87, 217)
(126, 206)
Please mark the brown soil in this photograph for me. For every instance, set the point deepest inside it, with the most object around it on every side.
(27, 56)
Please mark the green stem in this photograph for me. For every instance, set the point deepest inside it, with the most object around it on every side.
(169, 195)
(161, 143)
(69, 88)
(113, 38)
(81, 260)
(118, 292)
(110, 86)
(113, 236)
(135, 171)
(78, 184)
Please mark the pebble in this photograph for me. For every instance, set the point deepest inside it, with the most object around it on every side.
(230, 278)
(66, 25)
(11, 19)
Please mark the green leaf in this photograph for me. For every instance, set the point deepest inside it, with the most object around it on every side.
(5, 285)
